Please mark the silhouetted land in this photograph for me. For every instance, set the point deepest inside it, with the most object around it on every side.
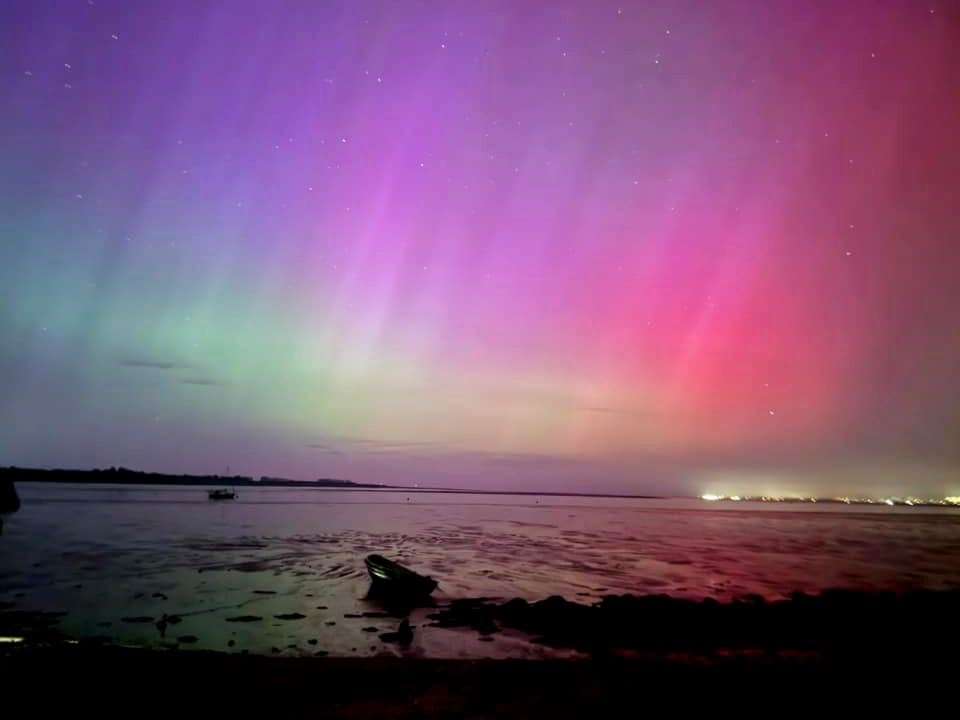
(124, 476)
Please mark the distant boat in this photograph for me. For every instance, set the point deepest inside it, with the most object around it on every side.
(222, 494)
(391, 578)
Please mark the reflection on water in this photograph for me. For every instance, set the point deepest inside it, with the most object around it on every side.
(107, 553)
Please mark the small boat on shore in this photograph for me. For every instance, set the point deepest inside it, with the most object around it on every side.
(391, 578)
(222, 494)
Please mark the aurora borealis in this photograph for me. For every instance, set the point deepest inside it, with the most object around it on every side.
(669, 247)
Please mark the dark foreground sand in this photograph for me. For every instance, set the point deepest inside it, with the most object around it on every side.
(92, 681)
(858, 647)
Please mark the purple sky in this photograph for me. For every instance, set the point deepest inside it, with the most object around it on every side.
(647, 247)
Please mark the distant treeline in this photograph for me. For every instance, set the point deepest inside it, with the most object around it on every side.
(125, 476)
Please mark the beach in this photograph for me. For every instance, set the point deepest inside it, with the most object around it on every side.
(113, 561)
(559, 604)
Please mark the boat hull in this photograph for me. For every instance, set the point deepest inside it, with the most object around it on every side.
(392, 578)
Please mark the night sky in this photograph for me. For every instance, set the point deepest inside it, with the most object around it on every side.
(647, 247)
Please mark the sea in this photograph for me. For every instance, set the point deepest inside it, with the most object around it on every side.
(115, 559)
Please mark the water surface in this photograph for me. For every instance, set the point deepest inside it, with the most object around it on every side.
(104, 553)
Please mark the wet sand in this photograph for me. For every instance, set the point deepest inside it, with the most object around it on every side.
(835, 623)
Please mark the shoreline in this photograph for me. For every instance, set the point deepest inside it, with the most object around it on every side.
(835, 622)
(134, 478)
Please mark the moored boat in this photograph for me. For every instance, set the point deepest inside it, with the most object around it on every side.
(395, 579)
